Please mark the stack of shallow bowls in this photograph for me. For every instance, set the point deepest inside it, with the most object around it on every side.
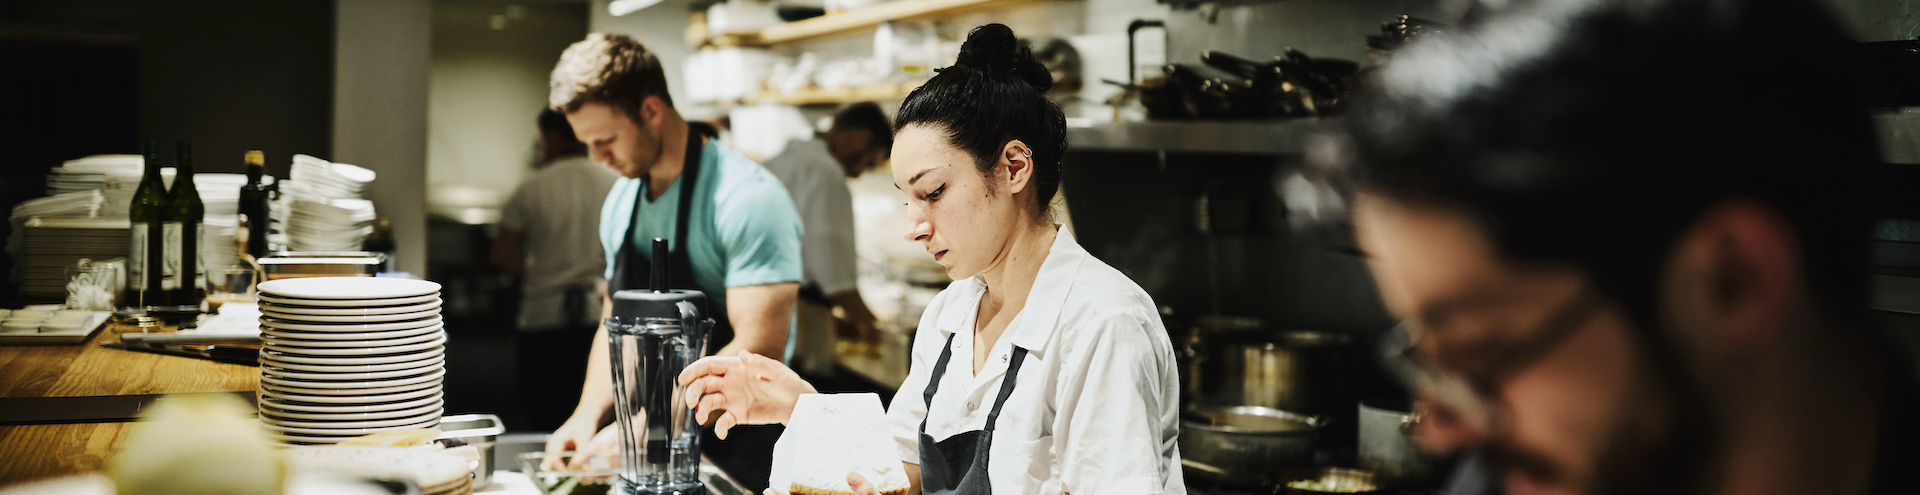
(348, 356)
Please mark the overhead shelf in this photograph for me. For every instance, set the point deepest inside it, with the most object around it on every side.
(815, 96)
(863, 17)
(1277, 137)
(1899, 130)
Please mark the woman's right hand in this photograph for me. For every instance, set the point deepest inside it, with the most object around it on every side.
(749, 389)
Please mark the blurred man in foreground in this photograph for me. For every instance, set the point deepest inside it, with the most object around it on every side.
(1627, 252)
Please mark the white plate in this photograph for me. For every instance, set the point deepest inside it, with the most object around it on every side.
(299, 403)
(349, 303)
(335, 435)
(393, 334)
(349, 385)
(351, 351)
(358, 396)
(353, 288)
(351, 427)
(352, 368)
(357, 420)
(348, 311)
(298, 318)
(269, 370)
(347, 361)
(349, 327)
(271, 409)
(278, 340)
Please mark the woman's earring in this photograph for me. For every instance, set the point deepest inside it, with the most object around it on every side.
(1027, 151)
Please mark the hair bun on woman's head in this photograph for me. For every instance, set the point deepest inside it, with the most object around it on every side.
(994, 50)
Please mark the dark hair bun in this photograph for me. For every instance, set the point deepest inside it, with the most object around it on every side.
(992, 49)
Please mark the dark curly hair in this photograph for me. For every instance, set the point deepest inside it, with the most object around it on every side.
(993, 94)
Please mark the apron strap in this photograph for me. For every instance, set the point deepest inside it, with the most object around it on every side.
(626, 273)
(1006, 383)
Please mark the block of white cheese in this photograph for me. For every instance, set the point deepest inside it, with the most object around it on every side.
(831, 435)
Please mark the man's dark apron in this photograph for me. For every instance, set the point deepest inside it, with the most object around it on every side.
(958, 465)
(747, 453)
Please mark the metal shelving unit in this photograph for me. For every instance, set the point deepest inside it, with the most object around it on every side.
(1275, 137)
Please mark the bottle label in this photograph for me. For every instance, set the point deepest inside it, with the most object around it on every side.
(137, 257)
(170, 264)
(199, 275)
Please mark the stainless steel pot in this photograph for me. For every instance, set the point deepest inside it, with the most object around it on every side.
(1248, 441)
(1290, 371)
(1386, 446)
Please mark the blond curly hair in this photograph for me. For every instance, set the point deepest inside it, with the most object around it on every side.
(611, 69)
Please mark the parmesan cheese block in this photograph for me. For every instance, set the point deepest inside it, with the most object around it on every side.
(831, 435)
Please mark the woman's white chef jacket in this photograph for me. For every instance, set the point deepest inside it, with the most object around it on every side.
(1095, 409)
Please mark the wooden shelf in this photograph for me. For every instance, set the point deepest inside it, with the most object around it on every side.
(815, 96)
(859, 18)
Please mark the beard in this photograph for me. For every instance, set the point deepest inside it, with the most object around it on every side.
(1665, 444)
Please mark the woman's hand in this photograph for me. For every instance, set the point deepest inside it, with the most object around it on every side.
(746, 390)
(855, 481)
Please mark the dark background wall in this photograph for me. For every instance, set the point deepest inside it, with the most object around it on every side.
(85, 77)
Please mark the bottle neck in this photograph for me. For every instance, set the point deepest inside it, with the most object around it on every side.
(254, 172)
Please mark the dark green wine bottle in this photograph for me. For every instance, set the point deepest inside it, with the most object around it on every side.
(145, 268)
(254, 221)
(184, 220)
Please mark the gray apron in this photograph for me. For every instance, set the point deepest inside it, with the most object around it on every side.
(958, 465)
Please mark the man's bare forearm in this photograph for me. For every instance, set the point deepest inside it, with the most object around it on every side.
(596, 396)
(761, 315)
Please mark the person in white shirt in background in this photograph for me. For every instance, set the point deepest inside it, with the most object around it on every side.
(815, 172)
(549, 240)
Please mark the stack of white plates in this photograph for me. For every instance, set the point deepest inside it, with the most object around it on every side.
(349, 356)
(322, 179)
(220, 193)
(321, 209)
(90, 173)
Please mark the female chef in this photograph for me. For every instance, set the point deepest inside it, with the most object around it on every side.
(1040, 369)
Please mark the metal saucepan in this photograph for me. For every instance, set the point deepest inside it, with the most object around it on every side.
(1248, 441)
(1386, 446)
(1305, 371)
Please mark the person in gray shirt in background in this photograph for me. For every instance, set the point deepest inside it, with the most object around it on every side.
(815, 172)
(549, 240)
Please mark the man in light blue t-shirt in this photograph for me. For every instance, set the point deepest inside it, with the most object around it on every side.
(732, 229)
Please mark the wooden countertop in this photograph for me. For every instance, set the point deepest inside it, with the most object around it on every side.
(41, 451)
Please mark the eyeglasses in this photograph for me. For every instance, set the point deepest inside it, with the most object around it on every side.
(1474, 394)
